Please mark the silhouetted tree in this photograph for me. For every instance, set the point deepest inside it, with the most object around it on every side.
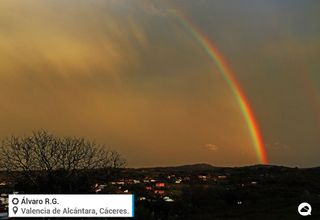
(44, 163)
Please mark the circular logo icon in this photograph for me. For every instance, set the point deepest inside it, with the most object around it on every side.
(304, 209)
(15, 201)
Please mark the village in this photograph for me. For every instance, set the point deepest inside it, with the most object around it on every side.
(200, 190)
(150, 188)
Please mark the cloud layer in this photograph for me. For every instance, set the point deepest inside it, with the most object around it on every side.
(130, 76)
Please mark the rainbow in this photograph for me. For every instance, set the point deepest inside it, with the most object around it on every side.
(232, 82)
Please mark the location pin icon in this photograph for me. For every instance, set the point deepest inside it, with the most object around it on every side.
(15, 209)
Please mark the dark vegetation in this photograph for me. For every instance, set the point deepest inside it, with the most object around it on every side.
(44, 163)
(254, 192)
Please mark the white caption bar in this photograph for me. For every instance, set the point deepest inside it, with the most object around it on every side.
(32, 205)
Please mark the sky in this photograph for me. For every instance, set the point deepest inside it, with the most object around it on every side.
(129, 75)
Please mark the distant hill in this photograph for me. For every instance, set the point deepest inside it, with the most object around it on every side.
(203, 167)
(191, 167)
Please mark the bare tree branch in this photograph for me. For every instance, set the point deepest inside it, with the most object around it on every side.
(43, 158)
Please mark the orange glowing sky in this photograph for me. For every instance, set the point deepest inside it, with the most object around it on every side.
(129, 76)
